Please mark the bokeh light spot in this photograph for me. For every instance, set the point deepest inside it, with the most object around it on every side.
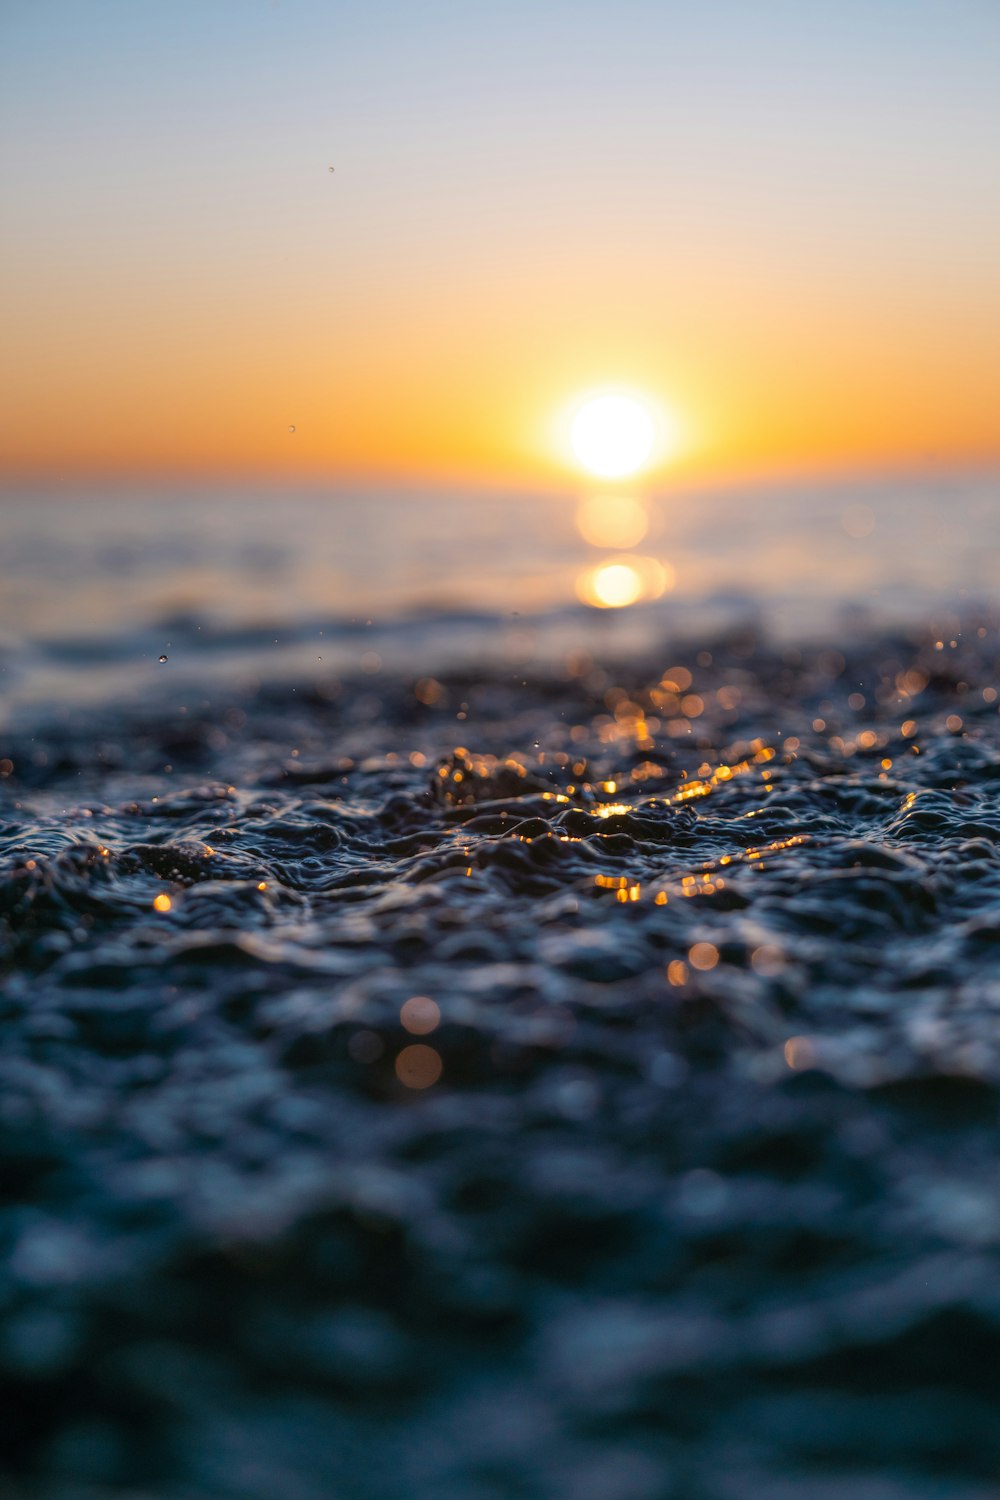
(703, 956)
(420, 1015)
(418, 1067)
(615, 585)
(800, 1053)
(612, 520)
(620, 581)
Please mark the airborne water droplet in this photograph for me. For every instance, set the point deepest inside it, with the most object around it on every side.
(291, 429)
(164, 658)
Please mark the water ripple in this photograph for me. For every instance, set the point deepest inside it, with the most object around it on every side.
(696, 1111)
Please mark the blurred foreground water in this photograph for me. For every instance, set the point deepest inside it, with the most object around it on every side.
(550, 1057)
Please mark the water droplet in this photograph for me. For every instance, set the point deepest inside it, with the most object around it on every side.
(164, 658)
(291, 429)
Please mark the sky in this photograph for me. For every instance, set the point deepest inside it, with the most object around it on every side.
(780, 221)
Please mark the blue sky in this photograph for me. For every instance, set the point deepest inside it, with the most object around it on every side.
(658, 156)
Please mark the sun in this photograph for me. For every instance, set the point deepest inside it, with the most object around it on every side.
(613, 435)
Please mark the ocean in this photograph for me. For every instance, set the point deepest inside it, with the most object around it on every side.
(97, 586)
(459, 1040)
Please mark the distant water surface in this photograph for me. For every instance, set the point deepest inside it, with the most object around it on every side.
(97, 586)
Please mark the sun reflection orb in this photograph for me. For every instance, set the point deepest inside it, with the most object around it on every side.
(621, 581)
(613, 435)
(612, 520)
(615, 585)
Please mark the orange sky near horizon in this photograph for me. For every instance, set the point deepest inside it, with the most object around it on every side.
(812, 283)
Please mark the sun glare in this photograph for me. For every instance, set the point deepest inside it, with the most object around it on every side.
(613, 435)
(612, 520)
(620, 581)
(615, 585)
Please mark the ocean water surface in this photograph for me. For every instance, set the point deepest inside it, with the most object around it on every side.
(270, 585)
(459, 1041)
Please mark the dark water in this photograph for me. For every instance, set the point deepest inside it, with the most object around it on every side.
(572, 1083)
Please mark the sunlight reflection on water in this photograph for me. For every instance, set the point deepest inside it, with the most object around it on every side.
(271, 584)
(92, 562)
